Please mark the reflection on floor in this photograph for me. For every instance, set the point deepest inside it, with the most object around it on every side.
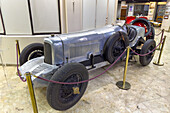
(150, 90)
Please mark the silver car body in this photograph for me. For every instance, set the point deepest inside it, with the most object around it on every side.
(73, 47)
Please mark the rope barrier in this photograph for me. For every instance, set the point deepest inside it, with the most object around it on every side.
(84, 80)
(57, 82)
(147, 53)
(160, 33)
(161, 41)
(24, 80)
(100, 73)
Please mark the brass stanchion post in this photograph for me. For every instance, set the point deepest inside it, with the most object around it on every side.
(123, 84)
(18, 48)
(161, 40)
(160, 54)
(31, 91)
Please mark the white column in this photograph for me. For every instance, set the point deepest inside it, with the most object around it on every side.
(166, 22)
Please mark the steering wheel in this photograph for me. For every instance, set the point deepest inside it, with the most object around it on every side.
(142, 23)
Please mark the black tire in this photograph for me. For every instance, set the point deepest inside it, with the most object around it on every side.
(115, 46)
(31, 51)
(148, 46)
(144, 21)
(61, 97)
(152, 34)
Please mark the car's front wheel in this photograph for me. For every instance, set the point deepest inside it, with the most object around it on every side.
(61, 96)
(148, 46)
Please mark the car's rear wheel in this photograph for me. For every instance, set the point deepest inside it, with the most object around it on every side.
(62, 97)
(148, 46)
(31, 51)
(115, 46)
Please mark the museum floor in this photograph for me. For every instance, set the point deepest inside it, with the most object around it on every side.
(149, 93)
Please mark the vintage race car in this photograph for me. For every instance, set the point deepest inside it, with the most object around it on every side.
(69, 57)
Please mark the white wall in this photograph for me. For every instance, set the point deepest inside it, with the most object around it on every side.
(17, 24)
(45, 15)
(17, 21)
(95, 13)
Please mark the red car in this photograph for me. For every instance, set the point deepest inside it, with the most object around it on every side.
(143, 22)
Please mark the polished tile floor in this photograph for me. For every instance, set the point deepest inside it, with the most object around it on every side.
(149, 93)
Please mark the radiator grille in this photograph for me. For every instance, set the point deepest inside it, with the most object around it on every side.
(47, 53)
